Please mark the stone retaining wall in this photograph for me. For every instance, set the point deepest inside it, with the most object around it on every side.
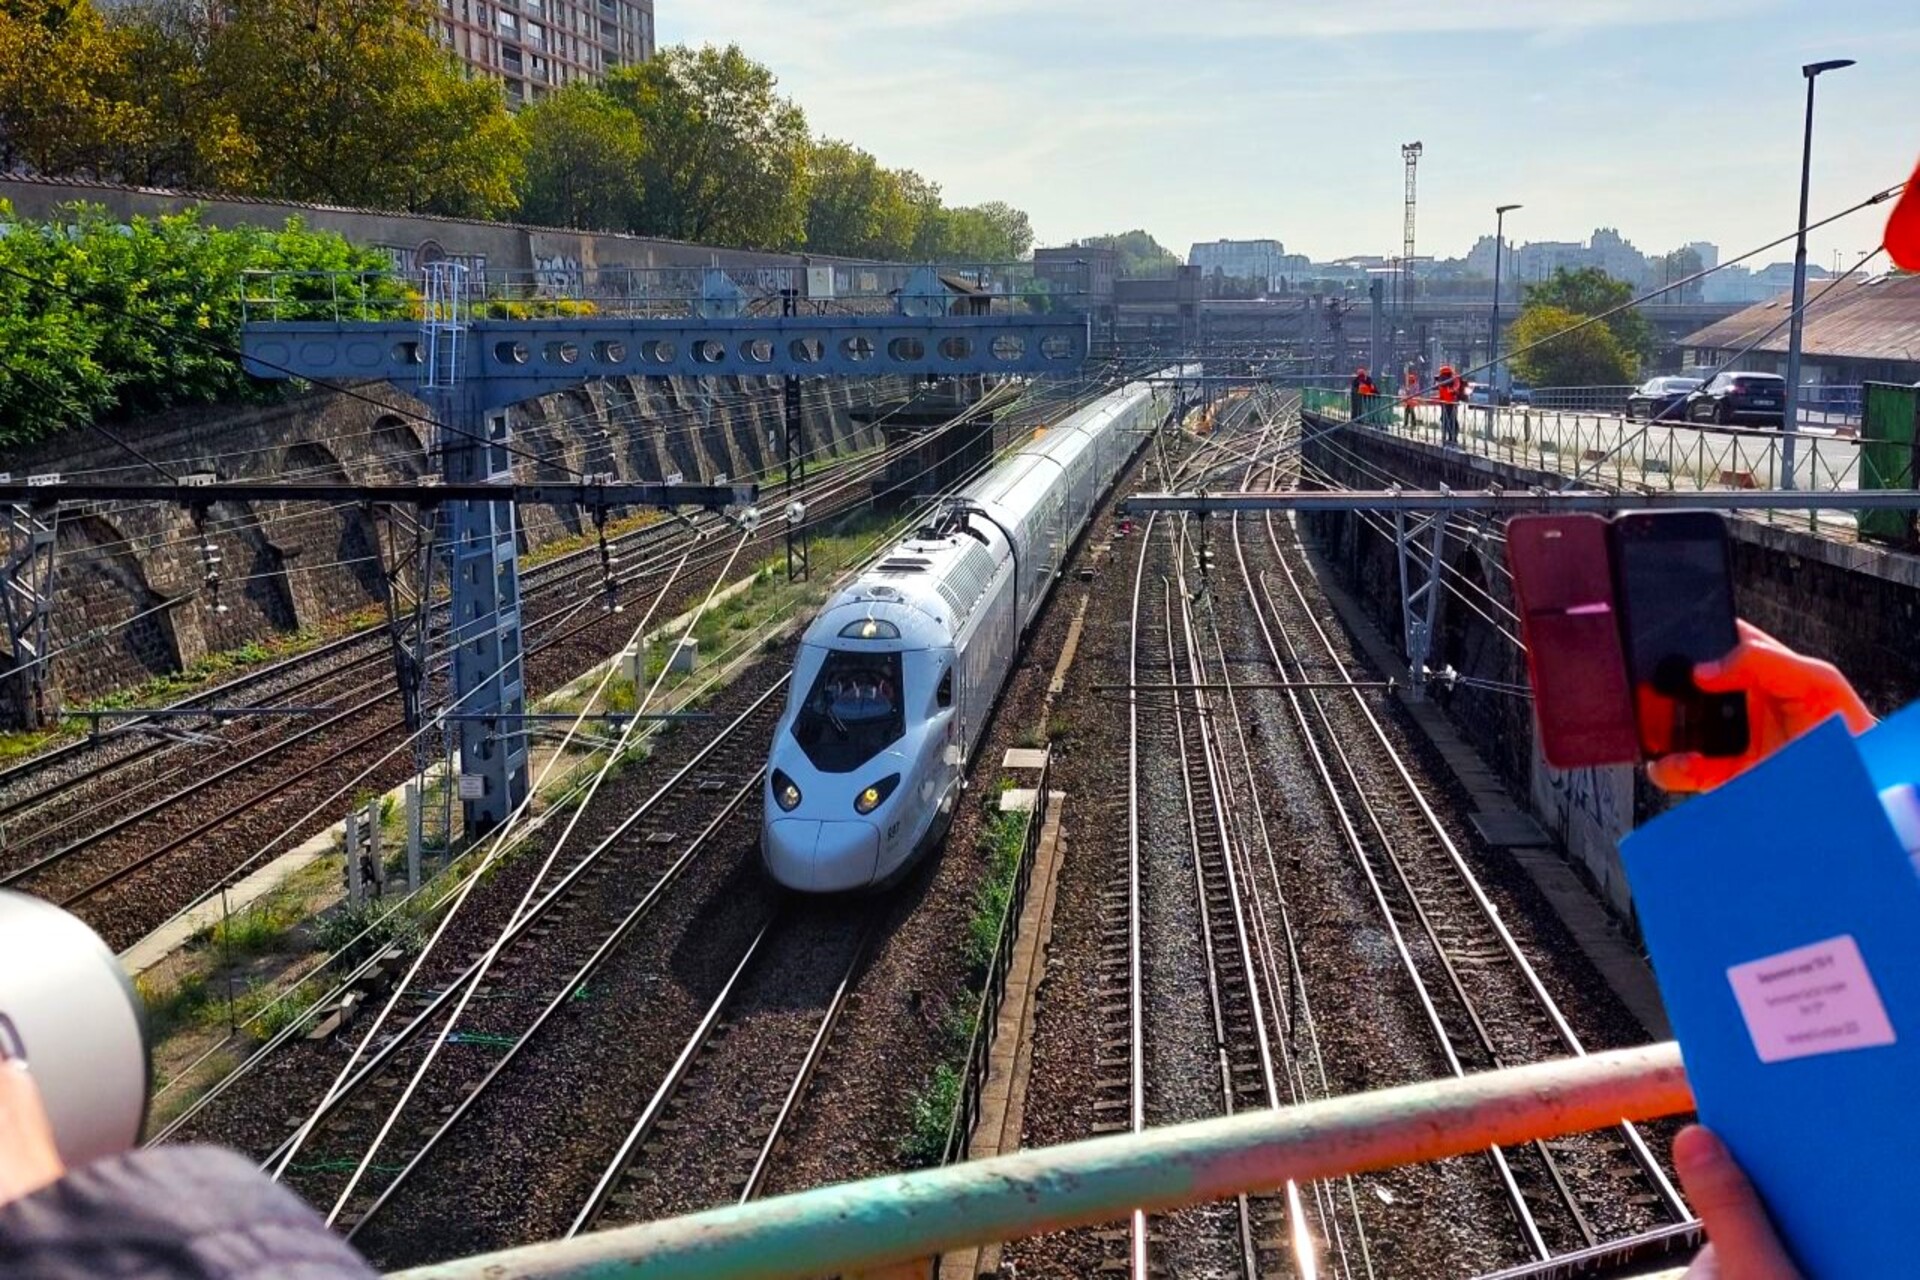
(131, 595)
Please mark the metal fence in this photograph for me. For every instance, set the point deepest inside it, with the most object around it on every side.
(973, 1079)
(1604, 449)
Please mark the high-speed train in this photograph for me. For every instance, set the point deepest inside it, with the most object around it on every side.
(898, 674)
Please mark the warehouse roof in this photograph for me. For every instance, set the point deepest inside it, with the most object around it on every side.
(1873, 319)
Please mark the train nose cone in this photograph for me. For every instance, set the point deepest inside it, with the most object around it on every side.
(822, 857)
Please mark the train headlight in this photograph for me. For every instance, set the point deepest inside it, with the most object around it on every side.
(785, 793)
(874, 796)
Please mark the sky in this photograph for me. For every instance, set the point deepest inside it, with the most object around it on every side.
(1670, 120)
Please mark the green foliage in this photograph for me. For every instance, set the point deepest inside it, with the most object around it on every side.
(857, 209)
(933, 1109)
(726, 156)
(346, 101)
(992, 232)
(100, 319)
(253, 930)
(382, 925)
(1590, 357)
(583, 160)
(59, 63)
(1140, 254)
(1589, 292)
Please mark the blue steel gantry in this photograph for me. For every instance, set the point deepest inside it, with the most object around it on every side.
(472, 345)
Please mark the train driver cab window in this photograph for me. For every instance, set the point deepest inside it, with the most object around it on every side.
(853, 712)
(944, 695)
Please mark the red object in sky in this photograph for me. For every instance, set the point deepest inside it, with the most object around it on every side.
(1903, 228)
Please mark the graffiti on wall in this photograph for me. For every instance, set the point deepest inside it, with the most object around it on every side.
(410, 260)
(557, 275)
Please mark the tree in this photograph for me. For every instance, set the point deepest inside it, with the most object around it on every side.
(991, 232)
(1589, 357)
(1140, 255)
(855, 207)
(100, 318)
(345, 101)
(584, 153)
(59, 61)
(1589, 292)
(726, 156)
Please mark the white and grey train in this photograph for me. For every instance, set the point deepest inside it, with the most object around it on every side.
(898, 674)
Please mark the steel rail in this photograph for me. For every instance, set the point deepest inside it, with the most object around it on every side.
(626, 1156)
(1643, 1155)
(582, 976)
(400, 1038)
(1357, 847)
(1213, 773)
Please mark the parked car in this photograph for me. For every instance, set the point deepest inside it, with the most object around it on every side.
(1661, 398)
(1735, 397)
(1520, 393)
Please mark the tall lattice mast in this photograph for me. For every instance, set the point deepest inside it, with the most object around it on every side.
(1409, 152)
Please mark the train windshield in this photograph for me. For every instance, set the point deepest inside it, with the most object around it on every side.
(853, 712)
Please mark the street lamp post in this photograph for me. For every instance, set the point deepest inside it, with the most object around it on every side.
(1796, 323)
(1493, 341)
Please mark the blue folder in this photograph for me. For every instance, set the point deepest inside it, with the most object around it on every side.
(1783, 918)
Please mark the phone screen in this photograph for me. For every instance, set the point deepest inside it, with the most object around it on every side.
(1675, 589)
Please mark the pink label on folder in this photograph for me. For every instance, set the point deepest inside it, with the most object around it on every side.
(1814, 999)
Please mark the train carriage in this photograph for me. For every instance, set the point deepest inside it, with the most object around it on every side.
(897, 676)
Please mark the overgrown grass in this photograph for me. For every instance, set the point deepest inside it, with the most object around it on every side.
(1002, 839)
(213, 666)
(382, 924)
(254, 930)
(933, 1108)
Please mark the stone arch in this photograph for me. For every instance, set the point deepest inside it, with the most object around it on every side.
(105, 605)
(327, 558)
(399, 444)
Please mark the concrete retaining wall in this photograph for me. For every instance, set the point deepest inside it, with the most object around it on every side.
(1856, 606)
(409, 240)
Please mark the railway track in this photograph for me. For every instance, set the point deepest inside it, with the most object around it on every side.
(544, 965)
(751, 1057)
(85, 872)
(1482, 1001)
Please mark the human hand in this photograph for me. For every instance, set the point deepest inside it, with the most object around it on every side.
(28, 1157)
(1741, 1241)
(1787, 694)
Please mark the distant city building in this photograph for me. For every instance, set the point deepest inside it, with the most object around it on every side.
(536, 46)
(1740, 284)
(1708, 252)
(1079, 268)
(1264, 261)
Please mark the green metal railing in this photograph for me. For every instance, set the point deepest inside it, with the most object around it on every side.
(1603, 449)
(891, 1223)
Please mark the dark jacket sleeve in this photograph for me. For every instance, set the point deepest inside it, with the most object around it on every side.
(170, 1213)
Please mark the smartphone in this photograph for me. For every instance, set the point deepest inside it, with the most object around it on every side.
(1673, 580)
(1563, 578)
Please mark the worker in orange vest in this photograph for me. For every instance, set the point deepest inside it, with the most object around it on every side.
(1451, 391)
(1367, 392)
(1410, 397)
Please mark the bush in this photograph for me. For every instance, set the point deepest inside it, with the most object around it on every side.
(100, 319)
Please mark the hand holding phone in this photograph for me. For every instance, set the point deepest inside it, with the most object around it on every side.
(1786, 694)
(1674, 584)
(1616, 616)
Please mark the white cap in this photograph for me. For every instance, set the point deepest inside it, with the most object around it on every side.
(67, 1009)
